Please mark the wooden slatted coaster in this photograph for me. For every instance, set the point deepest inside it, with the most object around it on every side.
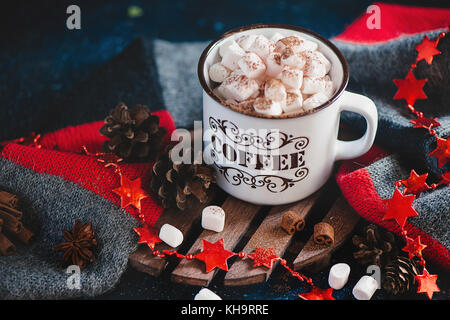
(268, 235)
(239, 215)
(343, 219)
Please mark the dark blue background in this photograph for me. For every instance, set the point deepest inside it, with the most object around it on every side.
(44, 67)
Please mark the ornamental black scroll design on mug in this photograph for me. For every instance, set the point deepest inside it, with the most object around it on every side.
(272, 140)
(273, 183)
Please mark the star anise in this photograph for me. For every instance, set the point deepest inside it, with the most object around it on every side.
(77, 247)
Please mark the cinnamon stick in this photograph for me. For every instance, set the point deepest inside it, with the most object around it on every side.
(324, 234)
(25, 235)
(9, 199)
(10, 222)
(7, 248)
(1, 224)
(10, 210)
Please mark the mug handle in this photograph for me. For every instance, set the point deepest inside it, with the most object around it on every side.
(364, 106)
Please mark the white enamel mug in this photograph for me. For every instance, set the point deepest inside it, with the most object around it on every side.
(273, 161)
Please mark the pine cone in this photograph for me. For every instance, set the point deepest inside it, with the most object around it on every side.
(377, 246)
(77, 245)
(179, 184)
(399, 276)
(135, 134)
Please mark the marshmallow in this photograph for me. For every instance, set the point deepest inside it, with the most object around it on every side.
(232, 55)
(317, 55)
(315, 100)
(245, 41)
(273, 64)
(206, 294)
(293, 102)
(218, 72)
(266, 106)
(293, 59)
(238, 87)
(314, 85)
(213, 218)
(277, 36)
(365, 288)
(226, 45)
(296, 44)
(315, 68)
(291, 77)
(171, 235)
(338, 276)
(261, 46)
(275, 90)
(252, 65)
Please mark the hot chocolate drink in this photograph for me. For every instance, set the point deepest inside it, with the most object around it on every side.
(283, 75)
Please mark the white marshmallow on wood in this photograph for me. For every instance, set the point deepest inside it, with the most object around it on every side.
(218, 72)
(293, 59)
(291, 77)
(232, 55)
(252, 65)
(245, 41)
(315, 100)
(314, 85)
(293, 103)
(267, 106)
(275, 90)
(238, 87)
(338, 276)
(273, 64)
(206, 294)
(213, 218)
(261, 46)
(171, 235)
(315, 68)
(365, 288)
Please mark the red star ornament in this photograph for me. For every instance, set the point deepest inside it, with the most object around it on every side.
(410, 88)
(148, 236)
(400, 208)
(415, 184)
(427, 283)
(414, 247)
(214, 255)
(427, 49)
(445, 178)
(130, 192)
(318, 294)
(426, 123)
(263, 257)
(108, 159)
(442, 151)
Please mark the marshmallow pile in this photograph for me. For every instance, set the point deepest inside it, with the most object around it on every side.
(272, 76)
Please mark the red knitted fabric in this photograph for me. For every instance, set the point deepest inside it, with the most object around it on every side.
(396, 22)
(69, 163)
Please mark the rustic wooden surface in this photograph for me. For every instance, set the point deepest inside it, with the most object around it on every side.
(343, 219)
(268, 235)
(239, 215)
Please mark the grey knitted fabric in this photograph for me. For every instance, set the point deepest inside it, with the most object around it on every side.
(51, 204)
(434, 206)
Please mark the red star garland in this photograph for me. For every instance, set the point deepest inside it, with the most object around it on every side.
(410, 88)
(427, 123)
(400, 208)
(427, 49)
(148, 236)
(415, 184)
(445, 179)
(318, 294)
(414, 247)
(442, 151)
(31, 141)
(109, 159)
(214, 255)
(130, 192)
(427, 283)
(263, 257)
